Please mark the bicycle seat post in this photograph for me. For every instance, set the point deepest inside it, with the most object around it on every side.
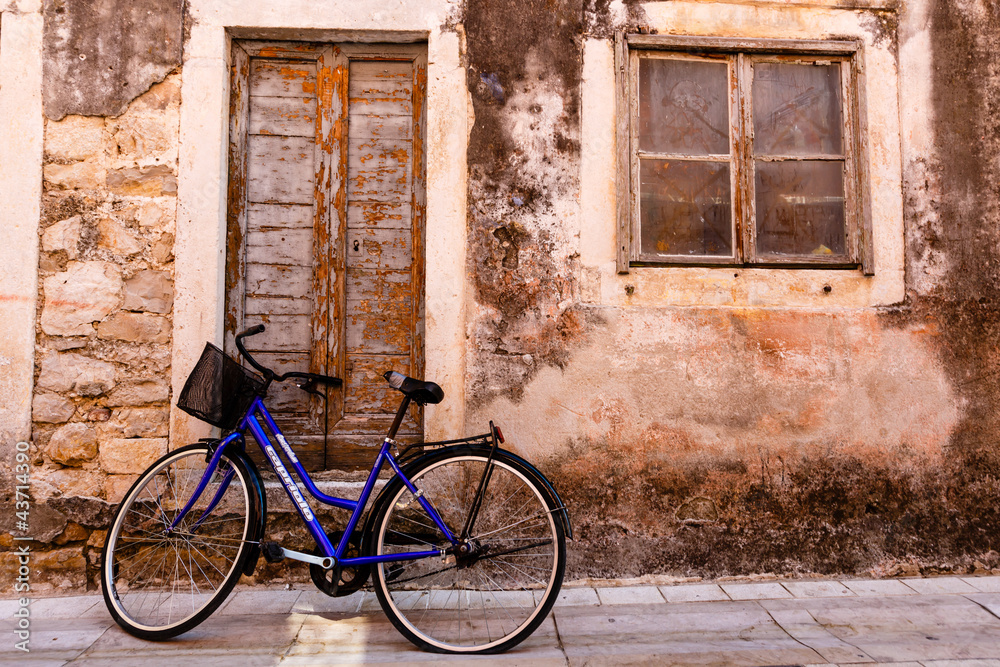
(399, 418)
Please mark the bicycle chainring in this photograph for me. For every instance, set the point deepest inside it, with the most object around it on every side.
(340, 581)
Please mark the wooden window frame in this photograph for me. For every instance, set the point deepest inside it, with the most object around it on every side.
(740, 54)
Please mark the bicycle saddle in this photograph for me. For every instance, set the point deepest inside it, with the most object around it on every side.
(418, 390)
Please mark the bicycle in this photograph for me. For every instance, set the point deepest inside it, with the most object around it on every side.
(465, 544)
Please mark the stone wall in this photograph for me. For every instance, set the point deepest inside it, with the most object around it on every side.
(101, 404)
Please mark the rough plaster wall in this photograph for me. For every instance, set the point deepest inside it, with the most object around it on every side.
(523, 74)
(730, 441)
(101, 54)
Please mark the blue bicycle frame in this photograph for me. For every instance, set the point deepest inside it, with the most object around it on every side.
(256, 414)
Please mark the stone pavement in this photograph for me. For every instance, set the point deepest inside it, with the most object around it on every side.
(942, 621)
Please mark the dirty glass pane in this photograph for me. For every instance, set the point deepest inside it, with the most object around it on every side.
(800, 208)
(796, 109)
(685, 208)
(683, 107)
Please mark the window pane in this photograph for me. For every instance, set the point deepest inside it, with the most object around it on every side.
(796, 109)
(800, 208)
(685, 208)
(683, 107)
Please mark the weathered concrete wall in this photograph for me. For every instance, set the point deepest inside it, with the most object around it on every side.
(713, 424)
(102, 54)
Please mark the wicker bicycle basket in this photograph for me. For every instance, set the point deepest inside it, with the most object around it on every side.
(219, 390)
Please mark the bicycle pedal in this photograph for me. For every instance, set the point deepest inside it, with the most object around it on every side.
(272, 552)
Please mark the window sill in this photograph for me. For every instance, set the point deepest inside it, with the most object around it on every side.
(740, 287)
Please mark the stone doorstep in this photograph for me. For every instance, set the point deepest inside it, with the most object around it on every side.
(277, 498)
(286, 597)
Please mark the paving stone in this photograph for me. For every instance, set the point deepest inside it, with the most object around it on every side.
(817, 589)
(630, 595)
(655, 634)
(315, 602)
(693, 593)
(219, 635)
(246, 602)
(70, 607)
(801, 626)
(879, 587)
(989, 662)
(989, 600)
(569, 597)
(984, 584)
(939, 586)
(767, 591)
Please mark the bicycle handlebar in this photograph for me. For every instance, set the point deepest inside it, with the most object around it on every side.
(271, 375)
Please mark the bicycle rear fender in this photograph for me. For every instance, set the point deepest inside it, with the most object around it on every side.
(259, 500)
(551, 496)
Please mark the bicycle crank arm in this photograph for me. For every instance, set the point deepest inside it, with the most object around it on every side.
(274, 553)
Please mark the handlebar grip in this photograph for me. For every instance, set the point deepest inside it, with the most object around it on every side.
(252, 331)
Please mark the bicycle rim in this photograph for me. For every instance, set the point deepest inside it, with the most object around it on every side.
(159, 583)
(480, 606)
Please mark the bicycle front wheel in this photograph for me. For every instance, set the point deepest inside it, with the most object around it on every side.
(159, 583)
(494, 592)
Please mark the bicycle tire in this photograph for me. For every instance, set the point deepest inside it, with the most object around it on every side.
(156, 585)
(495, 600)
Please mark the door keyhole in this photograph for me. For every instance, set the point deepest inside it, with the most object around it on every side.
(356, 245)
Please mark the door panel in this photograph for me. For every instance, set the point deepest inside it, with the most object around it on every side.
(326, 233)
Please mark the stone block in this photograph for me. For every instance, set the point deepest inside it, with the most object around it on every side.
(71, 372)
(73, 444)
(149, 291)
(152, 181)
(74, 532)
(142, 422)
(163, 250)
(71, 482)
(51, 409)
(74, 299)
(85, 510)
(59, 568)
(159, 213)
(159, 97)
(74, 137)
(116, 486)
(142, 136)
(84, 175)
(139, 393)
(131, 455)
(136, 328)
(117, 238)
(64, 235)
(45, 522)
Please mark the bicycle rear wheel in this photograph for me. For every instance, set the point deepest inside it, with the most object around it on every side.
(158, 583)
(491, 599)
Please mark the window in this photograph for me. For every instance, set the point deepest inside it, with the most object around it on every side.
(740, 153)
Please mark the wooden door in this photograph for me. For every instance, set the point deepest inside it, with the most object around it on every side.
(325, 233)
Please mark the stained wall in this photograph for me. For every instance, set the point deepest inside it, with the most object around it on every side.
(698, 422)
